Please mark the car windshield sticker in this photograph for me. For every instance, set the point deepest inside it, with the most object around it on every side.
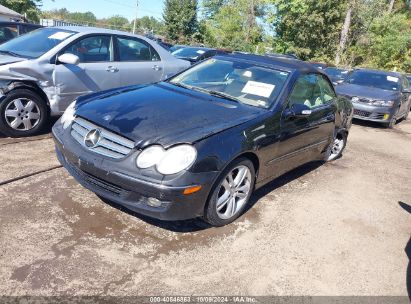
(60, 35)
(258, 88)
(393, 79)
(201, 52)
(248, 74)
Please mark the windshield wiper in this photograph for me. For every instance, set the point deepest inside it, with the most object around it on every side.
(218, 94)
(10, 53)
(181, 85)
(214, 93)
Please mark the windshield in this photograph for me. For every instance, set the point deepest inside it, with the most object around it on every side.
(239, 81)
(36, 43)
(374, 80)
(189, 52)
(336, 73)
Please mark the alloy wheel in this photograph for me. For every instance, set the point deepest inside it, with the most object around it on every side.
(234, 192)
(337, 147)
(22, 114)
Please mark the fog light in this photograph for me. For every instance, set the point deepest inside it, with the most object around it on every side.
(386, 116)
(151, 201)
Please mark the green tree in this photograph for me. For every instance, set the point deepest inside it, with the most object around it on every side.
(116, 22)
(211, 7)
(180, 19)
(310, 28)
(30, 8)
(235, 25)
(386, 45)
(150, 24)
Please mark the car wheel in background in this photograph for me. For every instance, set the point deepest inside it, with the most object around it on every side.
(393, 121)
(22, 113)
(407, 114)
(231, 193)
(337, 147)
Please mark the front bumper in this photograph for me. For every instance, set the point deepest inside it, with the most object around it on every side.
(107, 179)
(373, 113)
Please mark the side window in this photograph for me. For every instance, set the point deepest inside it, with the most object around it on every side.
(327, 92)
(307, 91)
(92, 49)
(7, 33)
(406, 84)
(133, 49)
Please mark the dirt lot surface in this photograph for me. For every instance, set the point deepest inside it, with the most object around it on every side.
(335, 229)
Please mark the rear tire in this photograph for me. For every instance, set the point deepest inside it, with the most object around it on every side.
(230, 195)
(23, 113)
(337, 147)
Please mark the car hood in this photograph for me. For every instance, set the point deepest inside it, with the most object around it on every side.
(352, 90)
(6, 59)
(163, 114)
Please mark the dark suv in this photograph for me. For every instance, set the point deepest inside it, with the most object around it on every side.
(10, 30)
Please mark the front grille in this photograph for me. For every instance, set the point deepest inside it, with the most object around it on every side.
(361, 100)
(110, 144)
(362, 113)
(97, 182)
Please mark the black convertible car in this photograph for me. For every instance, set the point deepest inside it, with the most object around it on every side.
(199, 143)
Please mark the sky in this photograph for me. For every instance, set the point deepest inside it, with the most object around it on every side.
(107, 8)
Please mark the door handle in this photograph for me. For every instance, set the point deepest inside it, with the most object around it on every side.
(156, 68)
(112, 69)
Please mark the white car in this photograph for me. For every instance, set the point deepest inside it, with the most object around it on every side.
(42, 72)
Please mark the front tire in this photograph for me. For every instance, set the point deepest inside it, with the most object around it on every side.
(23, 113)
(231, 193)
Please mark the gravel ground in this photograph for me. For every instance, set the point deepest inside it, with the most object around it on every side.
(335, 229)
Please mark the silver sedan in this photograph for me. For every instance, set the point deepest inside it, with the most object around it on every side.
(42, 72)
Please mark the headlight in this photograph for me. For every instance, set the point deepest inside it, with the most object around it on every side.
(68, 115)
(383, 103)
(169, 161)
(177, 159)
(150, 157)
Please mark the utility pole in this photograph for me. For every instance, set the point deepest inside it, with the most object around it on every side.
(135, 18)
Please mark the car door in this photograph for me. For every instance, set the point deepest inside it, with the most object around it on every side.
(95, 72)
(303, 138)
(138, 62)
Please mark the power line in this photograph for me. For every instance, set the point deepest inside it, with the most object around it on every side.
(130, 6)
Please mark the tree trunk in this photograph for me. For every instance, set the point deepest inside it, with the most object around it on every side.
(390, 8)
(344, 34)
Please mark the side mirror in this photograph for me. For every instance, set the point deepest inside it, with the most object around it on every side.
(407, 90)
(68, 59)
(298, 110)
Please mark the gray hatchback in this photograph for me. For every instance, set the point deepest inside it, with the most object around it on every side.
(44, 71)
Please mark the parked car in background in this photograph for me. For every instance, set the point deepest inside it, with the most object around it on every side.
(192, 54)
(378, 96)
(288, 55)
(198, 144)
(337, 75)
(10, 30)
(176, 47)
(319, 65)
(42, 72)
(409, 78)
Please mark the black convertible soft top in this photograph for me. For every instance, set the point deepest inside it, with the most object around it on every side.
(286, 63)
